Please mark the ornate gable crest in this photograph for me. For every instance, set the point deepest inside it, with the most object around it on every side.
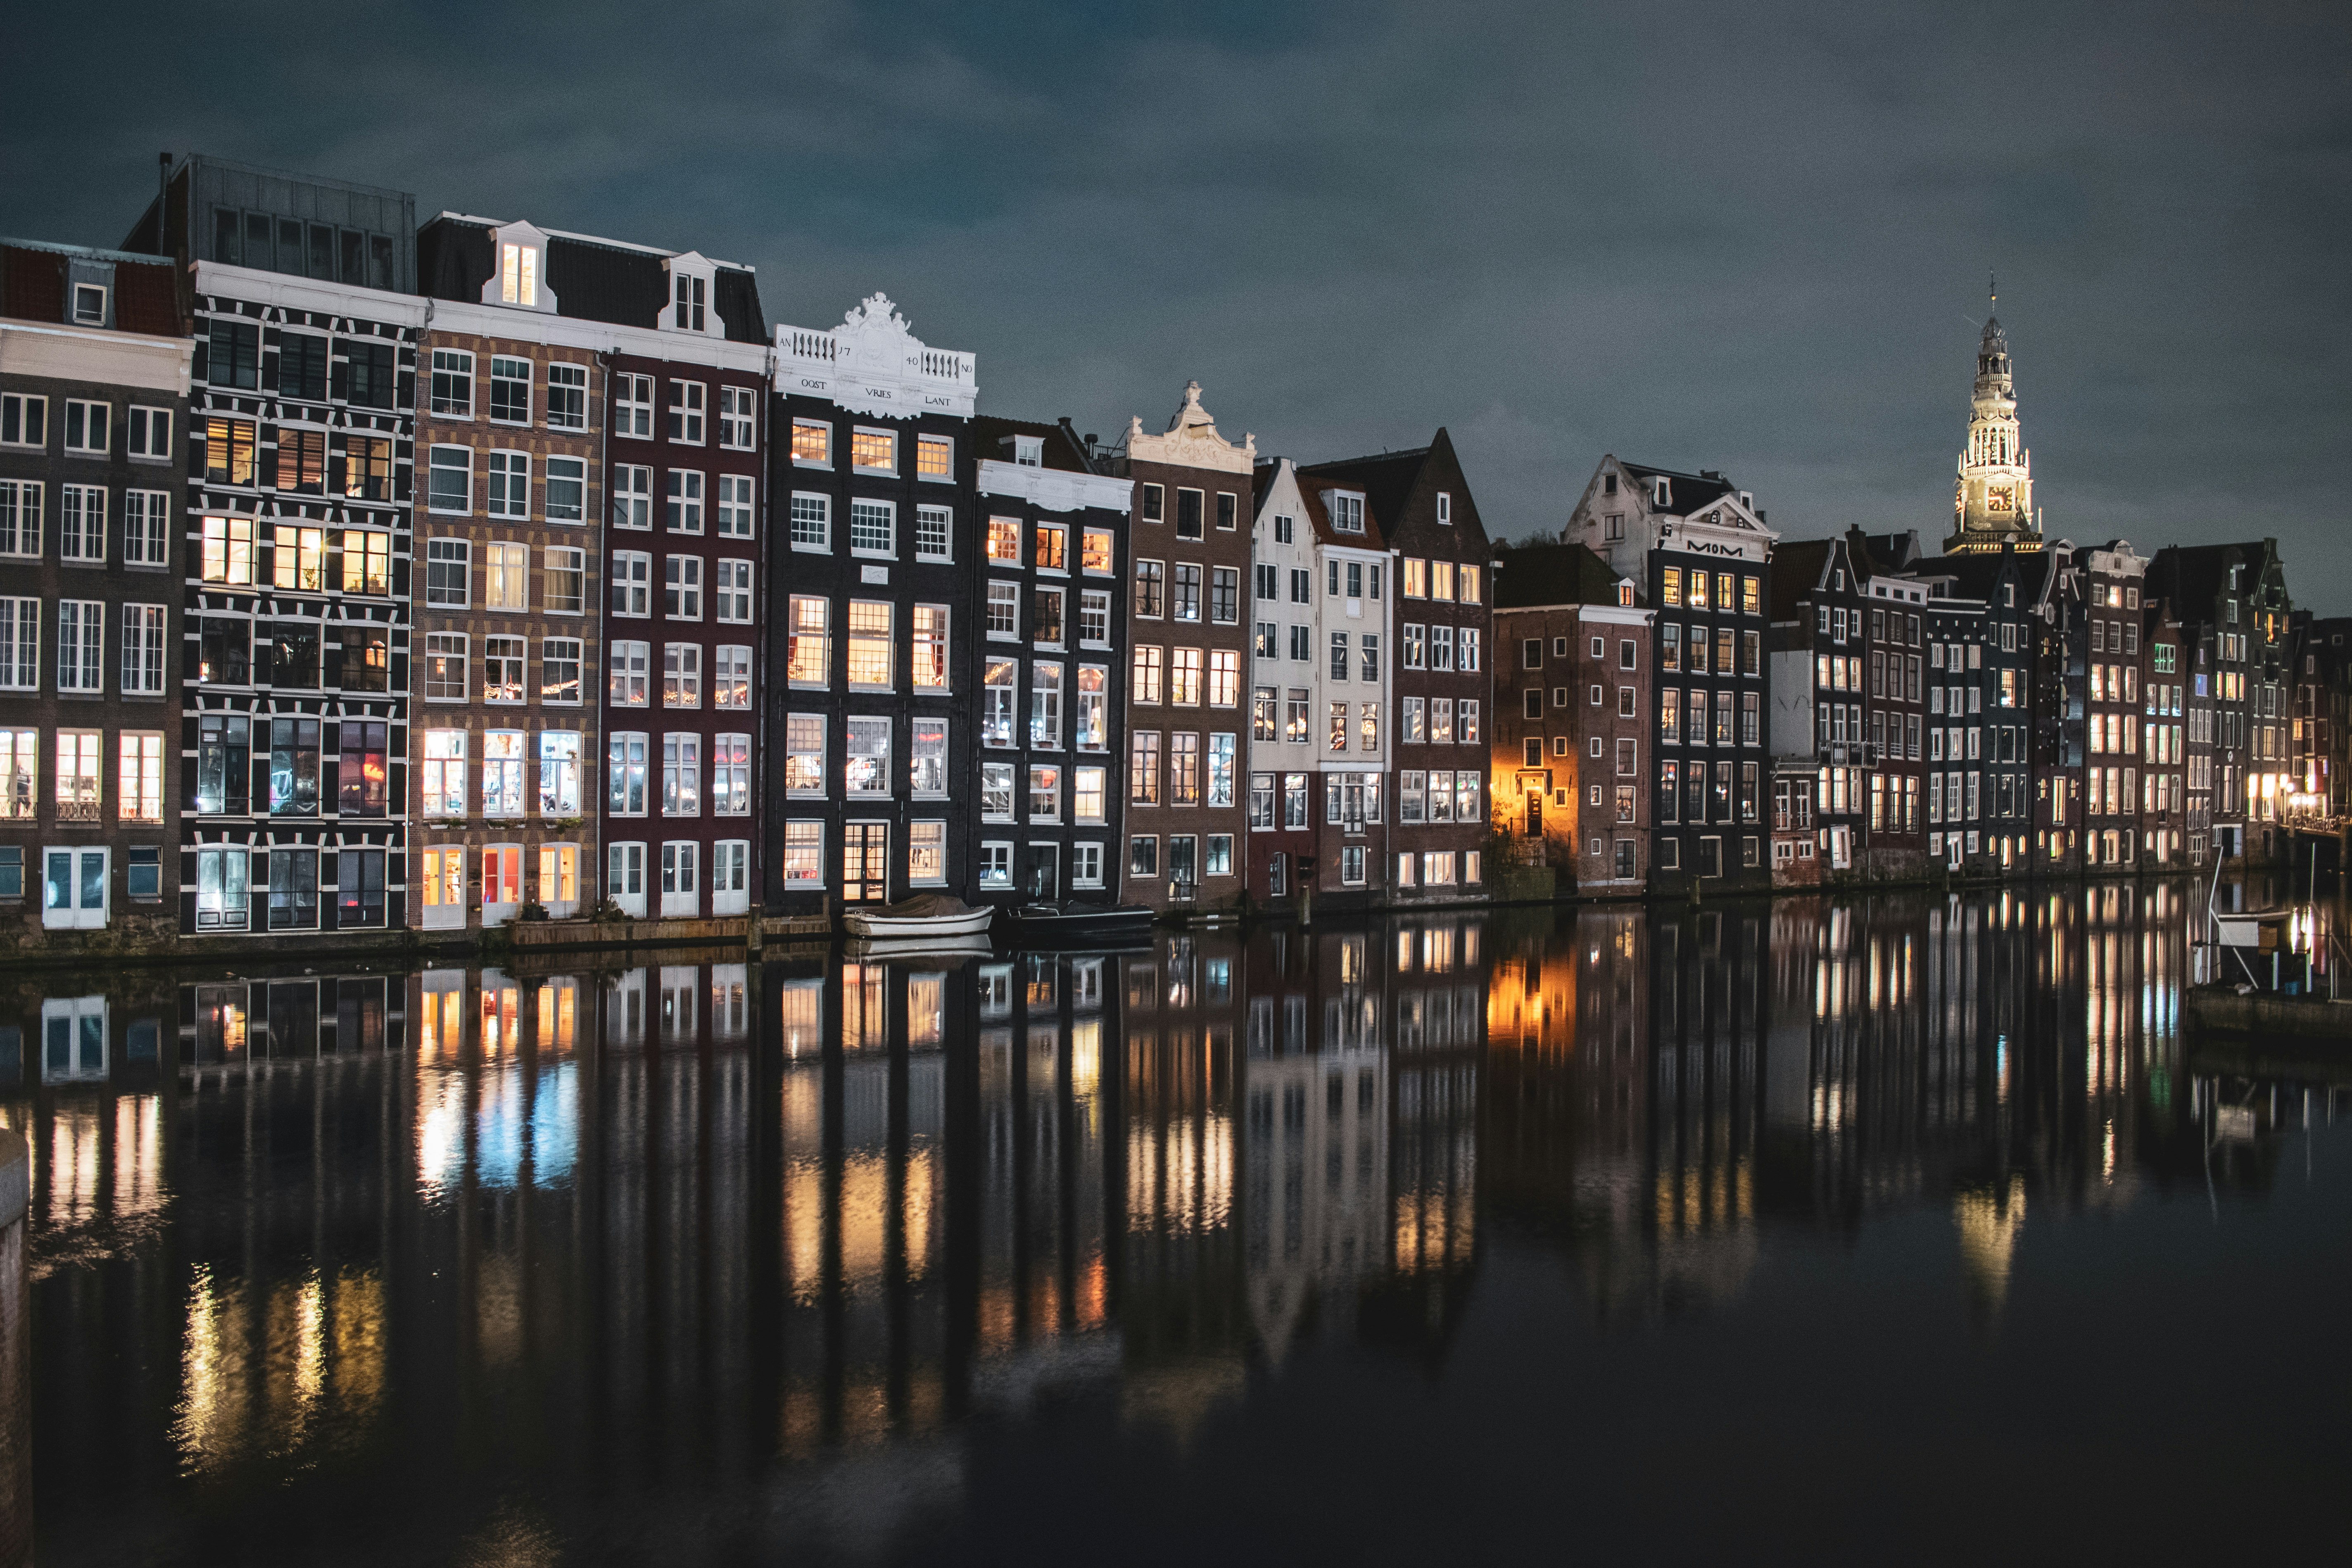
(873, 365)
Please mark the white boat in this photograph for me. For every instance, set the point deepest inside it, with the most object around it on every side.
(929, 915)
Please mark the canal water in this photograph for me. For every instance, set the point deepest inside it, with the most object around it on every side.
(1914, 1228)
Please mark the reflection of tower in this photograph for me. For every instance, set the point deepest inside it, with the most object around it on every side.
(1992, 502)
(1315, 1145)
(1989, 1219)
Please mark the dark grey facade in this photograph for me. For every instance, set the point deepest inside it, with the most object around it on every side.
(93, 412)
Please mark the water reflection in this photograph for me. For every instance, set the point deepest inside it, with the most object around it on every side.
(591, 1235)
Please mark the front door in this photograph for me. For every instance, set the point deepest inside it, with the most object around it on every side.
(73, 894)
(1045, 881)
(865, 863)
(1535, 815)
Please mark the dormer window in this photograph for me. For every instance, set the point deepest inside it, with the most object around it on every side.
(1347, 511)
(1748, 501)
(1626, 596)
(1029, 451)
(518, 275)
(691, 308)
(1609, 484)
(1666, 493)
(89, 304)
(1444, 508)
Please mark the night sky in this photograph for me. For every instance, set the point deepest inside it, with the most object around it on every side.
(1751, 238)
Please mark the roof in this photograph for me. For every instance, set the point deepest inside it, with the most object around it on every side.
(1311, 499)
(592, 279)
(2191, 575)
(36, 278)
(1386, 479)
(1798, 567)
(1544, 574)
(1061, 448)
(1688, 492)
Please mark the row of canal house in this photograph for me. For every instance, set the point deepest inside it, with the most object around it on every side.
(513, 566)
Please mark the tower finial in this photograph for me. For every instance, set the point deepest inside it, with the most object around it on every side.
(1993, 287)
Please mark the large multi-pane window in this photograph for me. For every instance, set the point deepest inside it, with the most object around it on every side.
(445, 667)
(928, 661)
(681, 776)
(870, 644)
(558, 773)
(873, 528)
(448, 573)
(502, 770)
(730, 676)
(502, 670)
(730, 775)
(142, 649)
(867, 765)
(138, 779)
(804, 754)
(225, 551)
(1045, 704)
(996, 698)
(81, 645)
(681, 675)
(734, 506)
(811, 521)
(624, 774)
(809, 644)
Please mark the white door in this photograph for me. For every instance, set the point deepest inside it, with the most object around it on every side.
(625, 880)
(74, 887)
(444, 888)
(681, 887)
(731, 878)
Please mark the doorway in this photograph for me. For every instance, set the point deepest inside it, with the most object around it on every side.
(865, 863)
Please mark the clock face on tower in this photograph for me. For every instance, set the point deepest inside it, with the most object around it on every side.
(1999, 498)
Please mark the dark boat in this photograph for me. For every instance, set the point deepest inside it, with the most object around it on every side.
(1075, 924)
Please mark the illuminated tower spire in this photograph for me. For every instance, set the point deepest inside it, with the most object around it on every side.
(1992, 501)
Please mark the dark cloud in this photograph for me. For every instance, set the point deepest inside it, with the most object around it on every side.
(1748, 237)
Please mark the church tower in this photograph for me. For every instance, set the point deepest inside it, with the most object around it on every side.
(1993, 502)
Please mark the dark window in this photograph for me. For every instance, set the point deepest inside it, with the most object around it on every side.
(233, 357)
(224, 236)
(293, 889)
(363, 471)
(1188, 514)
(290, 245)
(1534, 701)
(362, 778)
(1226, 512)
(223, 765)
(379, 261)
(294, 654)
(302, 366)
(354, 257)
(293, 775)
(1152, 512)
(322, 252)
(366, 659)
(368, 376)
(358, 901)
(12, 872)
(144, 871)
(256, 241)
(227, 647)
(301, 460)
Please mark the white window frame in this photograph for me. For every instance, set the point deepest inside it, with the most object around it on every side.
(452, 369)
(683, 496)
(889, 436)
(736, 506)
(20, 517)
(81, 646)
(729, 661)
(738, 418)
(689, 407)
(510, 362)
(567, 471)
(142, 650)
(682, 587)
(934, 525)
(633, 496)
(147, 434)
(88, 415)
(730, 592)
(629, 674)
(887, 512)
(631, 579)
(812, 515)
(81, 524)
(435, 467)
(560, 380)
